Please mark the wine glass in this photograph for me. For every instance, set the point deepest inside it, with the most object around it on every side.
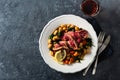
(90, 7)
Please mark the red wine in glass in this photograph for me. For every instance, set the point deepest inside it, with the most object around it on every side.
(90, 7)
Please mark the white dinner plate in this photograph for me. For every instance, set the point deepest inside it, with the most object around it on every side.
(50, 27)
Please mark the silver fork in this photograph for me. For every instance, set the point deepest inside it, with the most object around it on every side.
(100, 41)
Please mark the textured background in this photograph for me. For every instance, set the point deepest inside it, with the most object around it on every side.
(21, 22)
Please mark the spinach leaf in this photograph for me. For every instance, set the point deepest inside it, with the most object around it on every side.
(71, 29)
(89, 42)
(51, 36)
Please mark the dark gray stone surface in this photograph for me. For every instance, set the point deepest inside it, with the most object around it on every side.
(21, 22)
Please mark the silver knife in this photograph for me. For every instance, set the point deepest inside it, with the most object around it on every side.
(104, 45)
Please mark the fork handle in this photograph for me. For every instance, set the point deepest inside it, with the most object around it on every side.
(95, 66)
(86, 70)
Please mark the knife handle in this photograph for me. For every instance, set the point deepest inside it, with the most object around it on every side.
(95, 66)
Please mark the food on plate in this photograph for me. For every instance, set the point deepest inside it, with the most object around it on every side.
(69, 44)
